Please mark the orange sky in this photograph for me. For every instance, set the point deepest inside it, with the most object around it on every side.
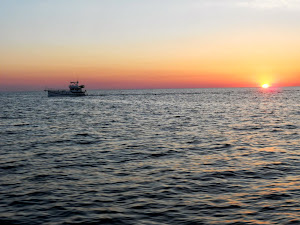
(236, 49)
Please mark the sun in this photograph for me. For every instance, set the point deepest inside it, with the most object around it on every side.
(265, 86)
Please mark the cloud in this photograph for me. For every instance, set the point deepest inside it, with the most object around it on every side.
(270, 4)
(255, 4)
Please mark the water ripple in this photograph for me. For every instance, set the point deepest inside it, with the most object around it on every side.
(192, 156)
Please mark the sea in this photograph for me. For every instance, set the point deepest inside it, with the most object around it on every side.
(225, 156)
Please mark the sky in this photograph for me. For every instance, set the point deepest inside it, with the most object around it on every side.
(134, 44)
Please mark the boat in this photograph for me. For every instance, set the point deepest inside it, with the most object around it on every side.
(74, 90)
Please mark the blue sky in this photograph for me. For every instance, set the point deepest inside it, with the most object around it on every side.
(96, 21)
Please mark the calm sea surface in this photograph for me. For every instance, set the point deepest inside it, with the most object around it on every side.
(184, 156)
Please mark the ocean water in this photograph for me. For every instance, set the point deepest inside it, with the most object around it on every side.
(184, 156)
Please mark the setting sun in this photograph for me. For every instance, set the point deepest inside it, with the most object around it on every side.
(265, 86)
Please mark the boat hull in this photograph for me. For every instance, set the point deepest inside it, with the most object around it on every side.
(59, 93)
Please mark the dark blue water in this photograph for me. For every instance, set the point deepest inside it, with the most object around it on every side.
(185, 156)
